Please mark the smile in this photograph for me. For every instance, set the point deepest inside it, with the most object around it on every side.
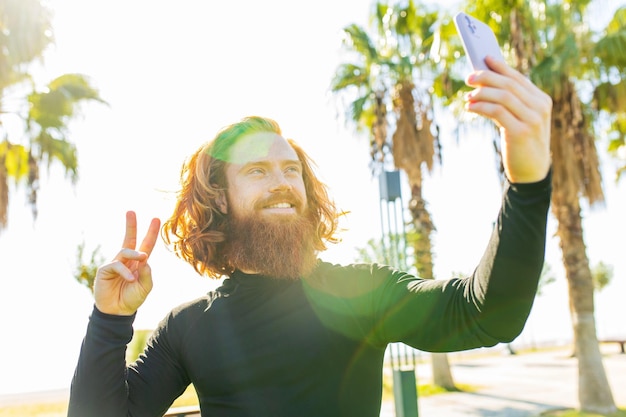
(279, 206)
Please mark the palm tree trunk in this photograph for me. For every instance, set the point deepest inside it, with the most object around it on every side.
(575, 166)
(423, 225)
(413, 149)
(442, 376)
(594, 392)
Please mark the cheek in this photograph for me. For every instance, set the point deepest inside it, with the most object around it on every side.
(236, 204)
(301, 191)
(244, 199)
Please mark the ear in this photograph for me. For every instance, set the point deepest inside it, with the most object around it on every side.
(221, 202)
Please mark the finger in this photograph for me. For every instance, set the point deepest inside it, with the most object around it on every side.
(506, 78)
(126, 254)
(130, 237)
(145, 278)
(526, 102)
(501, 67)
(490, 98)
(113, 270)
(131, 259)
(500, 115)
(151, 236)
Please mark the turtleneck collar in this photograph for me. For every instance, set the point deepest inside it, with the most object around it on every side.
(239, 279)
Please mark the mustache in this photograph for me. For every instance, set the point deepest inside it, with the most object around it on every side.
(283, 197)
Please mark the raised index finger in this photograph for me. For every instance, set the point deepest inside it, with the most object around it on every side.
(130, 238)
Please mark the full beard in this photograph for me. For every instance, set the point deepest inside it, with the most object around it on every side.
(275, 247)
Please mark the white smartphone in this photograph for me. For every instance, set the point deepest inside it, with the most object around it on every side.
(478, 40)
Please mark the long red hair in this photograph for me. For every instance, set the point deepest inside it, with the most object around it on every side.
(197, 228)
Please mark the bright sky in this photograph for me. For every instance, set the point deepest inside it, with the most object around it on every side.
(173, 76)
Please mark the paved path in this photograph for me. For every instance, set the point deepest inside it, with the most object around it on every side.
(521, 385)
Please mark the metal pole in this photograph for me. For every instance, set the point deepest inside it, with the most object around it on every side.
(402, 361)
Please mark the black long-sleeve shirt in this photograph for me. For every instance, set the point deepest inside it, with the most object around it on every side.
(259, 346)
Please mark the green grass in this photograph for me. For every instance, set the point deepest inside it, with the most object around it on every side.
(423, 390)
(574, 413)
(59, 409)
(35, 410)
(189, 398)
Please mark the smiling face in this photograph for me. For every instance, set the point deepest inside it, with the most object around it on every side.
(251, 201)
(264, 178)
(270, 230)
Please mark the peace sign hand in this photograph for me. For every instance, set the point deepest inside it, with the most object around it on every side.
(122, 285)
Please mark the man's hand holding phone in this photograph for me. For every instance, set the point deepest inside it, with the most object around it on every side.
(521, 110)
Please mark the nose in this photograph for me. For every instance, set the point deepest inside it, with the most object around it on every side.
(279, 183)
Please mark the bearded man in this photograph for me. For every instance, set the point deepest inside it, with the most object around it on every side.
(287, 334)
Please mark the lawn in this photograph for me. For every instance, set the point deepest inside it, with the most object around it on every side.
(59, 409)
(573, 413)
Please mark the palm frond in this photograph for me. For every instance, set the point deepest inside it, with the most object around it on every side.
(357, 108)
(52, 107)
(359, 41)
(61, 150)
(25, 33)
(350, 75)
(611, 50)
(618, 23)
(15, 159)
(610, 97)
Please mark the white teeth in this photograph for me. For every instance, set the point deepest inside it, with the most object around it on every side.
(280, 205)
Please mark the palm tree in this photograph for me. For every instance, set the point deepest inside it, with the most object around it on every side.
(610, 93)
(44, 114)
(389, 85)
(552, 42)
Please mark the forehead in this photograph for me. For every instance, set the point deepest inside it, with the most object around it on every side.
(261, 146)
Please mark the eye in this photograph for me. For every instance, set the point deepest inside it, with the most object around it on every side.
(293, 169)
(256, 171)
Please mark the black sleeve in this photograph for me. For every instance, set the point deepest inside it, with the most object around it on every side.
(506, 279)
(99, 385)
(490, 306)
(103, 385)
